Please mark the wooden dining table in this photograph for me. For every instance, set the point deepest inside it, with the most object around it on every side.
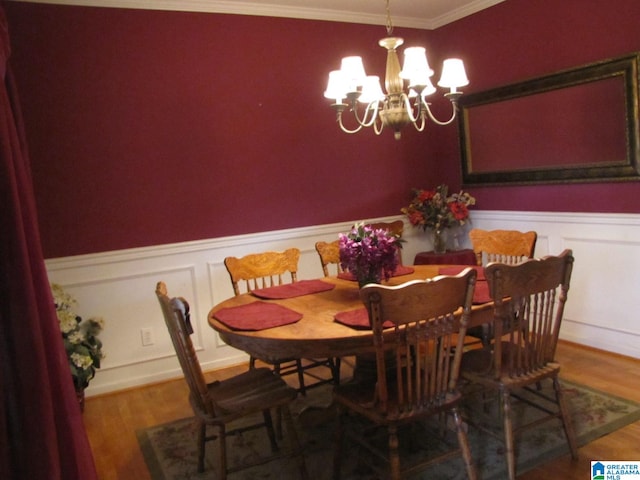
(317, 334)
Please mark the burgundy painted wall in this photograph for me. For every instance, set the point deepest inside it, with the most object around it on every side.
(153, 127)
(521, 39)
(156, 127)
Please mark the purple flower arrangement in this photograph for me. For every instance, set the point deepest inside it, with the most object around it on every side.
(369, 254)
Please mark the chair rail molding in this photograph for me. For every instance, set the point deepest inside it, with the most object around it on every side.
(119, 286)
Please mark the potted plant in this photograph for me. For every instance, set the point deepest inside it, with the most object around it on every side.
(81, 342)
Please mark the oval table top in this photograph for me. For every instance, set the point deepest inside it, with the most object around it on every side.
(317, 334)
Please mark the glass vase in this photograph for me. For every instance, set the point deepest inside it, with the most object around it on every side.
(454, 236)
(439, 241)
(371, 275)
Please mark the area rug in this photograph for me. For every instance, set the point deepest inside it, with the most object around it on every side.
(170, 450)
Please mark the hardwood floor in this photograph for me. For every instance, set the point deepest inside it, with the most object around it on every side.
(111, 420)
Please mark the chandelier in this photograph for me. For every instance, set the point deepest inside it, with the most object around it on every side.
(401, 105)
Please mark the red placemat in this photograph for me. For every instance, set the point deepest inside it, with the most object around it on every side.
(358, 319)
(456, 270)
(481, 292)
(403, 270)
(257, 316)
(295, 289)
(398, 272)
(347, 276)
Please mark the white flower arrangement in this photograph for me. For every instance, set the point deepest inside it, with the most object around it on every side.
(81, 342)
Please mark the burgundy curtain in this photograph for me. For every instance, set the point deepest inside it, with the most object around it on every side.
(41, 431)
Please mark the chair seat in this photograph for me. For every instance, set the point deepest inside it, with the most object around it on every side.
(250, 391)
(477, 365)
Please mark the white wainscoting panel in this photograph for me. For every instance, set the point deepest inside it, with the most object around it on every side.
(119, 286)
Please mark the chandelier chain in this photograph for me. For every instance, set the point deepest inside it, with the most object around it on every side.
(389, 22)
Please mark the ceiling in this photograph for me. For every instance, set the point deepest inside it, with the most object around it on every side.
(425, 14)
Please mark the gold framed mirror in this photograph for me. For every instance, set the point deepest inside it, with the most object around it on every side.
(577, 125)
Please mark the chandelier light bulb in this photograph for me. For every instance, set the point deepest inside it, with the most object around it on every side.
(353, 72)
(336, 86)
(416, 68)
(453, 74)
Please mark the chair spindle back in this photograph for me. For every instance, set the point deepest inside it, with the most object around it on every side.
(177, 318)
(504, 246)
(529, 305)
(262, 270)
(329, 253)
(418, 364)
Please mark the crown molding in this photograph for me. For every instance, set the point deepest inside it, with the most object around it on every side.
(461, 12)
(237, 7)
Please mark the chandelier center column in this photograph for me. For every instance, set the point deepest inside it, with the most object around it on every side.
(392, 81)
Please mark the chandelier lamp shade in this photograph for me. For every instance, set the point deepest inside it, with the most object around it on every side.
(407, 89)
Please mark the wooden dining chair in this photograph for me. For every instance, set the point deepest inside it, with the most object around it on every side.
(267, 269)
(329, 254)
(418, 336)
(221, 403)
(396, 227)
(529, 300)
(504, 246)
